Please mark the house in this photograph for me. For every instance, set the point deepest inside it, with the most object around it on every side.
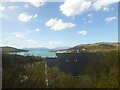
(73, 63)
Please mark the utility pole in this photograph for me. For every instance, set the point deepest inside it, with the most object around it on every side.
(46, 80)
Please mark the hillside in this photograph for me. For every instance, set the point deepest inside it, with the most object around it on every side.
(11, 49)
(96, 47)
(29, 72)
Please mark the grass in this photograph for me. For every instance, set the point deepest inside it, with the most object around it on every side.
(99, 74)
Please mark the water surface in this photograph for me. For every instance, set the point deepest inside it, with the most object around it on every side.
(42, 53)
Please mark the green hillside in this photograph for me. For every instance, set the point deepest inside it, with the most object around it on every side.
(96, 47)
(11, 49)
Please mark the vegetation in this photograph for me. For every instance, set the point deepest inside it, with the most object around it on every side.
(29, 72)
(11, 49)
(104, 73)
(97, 47)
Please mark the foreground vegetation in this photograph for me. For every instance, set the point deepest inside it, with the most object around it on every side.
(29, 72)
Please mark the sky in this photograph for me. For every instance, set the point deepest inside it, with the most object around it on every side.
(39, 23)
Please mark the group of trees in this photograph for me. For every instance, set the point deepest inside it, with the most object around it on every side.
(29, 72)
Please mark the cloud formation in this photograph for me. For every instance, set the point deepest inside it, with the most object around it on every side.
(37, 30)
(35, 16)
(70, 8)
(89, 21)
(73, 8)
(13, 7)
(18, 34)
(82, 32)
(26, 5)
(2, 8)
(36, 3)
(110, 19)
(24, 17)
(90, 15)
(58, 24)
(103, 4)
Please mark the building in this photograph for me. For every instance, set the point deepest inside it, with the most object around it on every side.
(73, 63)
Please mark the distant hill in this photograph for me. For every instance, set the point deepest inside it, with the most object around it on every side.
(60, 48)
(11, 49)
(37, 48)
(96, 47)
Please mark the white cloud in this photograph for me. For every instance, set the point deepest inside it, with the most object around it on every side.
(13, 7)
(18, 34)
(73, 8)
(35, 16)
(2, 8)
(58, 24)
(36, 3)
(37, 30)
(106, 9)
(89, 21)
(51, 22)
(82, 32)
(103, 4)
(20, 39)
(90, 15)
(110, 19)
(26, 5)
(24, 17)
(12, 0)
(54, 42)
(32, 41)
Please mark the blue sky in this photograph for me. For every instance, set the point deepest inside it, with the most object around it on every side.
(56, 24)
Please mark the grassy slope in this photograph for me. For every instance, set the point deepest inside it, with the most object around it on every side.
(96, 47)
(11, 49)
(99, 74)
